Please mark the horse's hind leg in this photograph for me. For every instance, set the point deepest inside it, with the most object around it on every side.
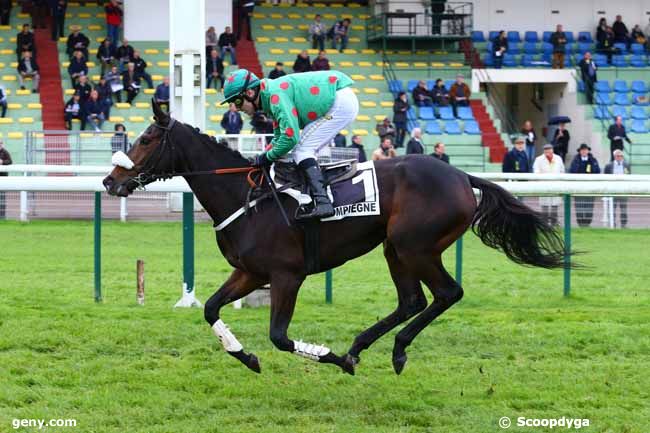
(284, 292)
(411, 301)
(446, 292)
(238, 285)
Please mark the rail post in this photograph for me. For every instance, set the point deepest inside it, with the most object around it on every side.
(98, 246)
(328, 287)
(189, 297)
(567, 244)
(459, 261)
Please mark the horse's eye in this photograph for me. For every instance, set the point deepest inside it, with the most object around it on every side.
(144, 141)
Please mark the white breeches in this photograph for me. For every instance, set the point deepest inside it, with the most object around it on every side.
(320, 133)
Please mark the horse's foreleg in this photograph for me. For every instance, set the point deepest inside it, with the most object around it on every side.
(411, 302)
(238, 285)
(284, 292)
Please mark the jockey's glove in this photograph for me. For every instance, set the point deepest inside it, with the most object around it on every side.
(261, 160)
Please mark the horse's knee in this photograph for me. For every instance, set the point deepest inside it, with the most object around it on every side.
(417, 306)
(451, 295)
(280, 340)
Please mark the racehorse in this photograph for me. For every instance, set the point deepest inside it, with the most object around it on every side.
(425, 205)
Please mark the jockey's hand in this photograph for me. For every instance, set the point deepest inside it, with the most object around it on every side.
(261, 161)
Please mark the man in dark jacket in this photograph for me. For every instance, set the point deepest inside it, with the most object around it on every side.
(161, 96)
(584, 163)
(131, 82)
(57, 10)
(616, 135)
(440, 94)
(357, 144)
(278, 71)
(5, 159)
(321, 63)
(385, 129)
(231, 120)
(589, 76)
(516, 160)
(73, 110)
(558, 40)
(619, 166)
(83, 88)
(499, 49)
(227, 43)
(28, 68)
(25, 42)
(421, 95)
(415, 146)
(400, 109)
(302, 63)
(124, 54)
(94, 111)
(561, 139)
(5, 12)
(106, 55)
(214, 69)
(621, 33)
(439, 152)
(77, 41)
(141, 68)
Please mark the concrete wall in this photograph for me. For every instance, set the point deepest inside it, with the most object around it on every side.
(148, 20)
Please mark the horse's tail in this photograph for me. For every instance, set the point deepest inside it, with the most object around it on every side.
(506, 224)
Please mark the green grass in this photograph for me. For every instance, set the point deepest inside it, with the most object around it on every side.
(514, 346)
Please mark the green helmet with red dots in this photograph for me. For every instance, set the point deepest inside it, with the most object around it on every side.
(237, 82)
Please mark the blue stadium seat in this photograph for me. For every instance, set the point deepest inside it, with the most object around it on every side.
(493, 35)
(488, 48)
(431, 84)
(621, 47)
(600, 60)
(410, 114)
(639, 126)
(636, 49)
(547, 48)
(600, 112)
(546, 36)
(530, 48)
(583, 47)
(471, 127)
(619, 61)
(620, 86)
(602, 86)
(446, 113)
(638, 61)
(433, 128)
(638, 113)
(581, 86)
(514, 48)
(478, 36)
(465, 113)
(640, 99)
(488, 61)
(621, 99)
(569, 49)
(412, 124)
(639, 86)
(412, 84)
(395, 86)
(620, 111)
(426, 113)
(452, 127)
(527, 61)
(585, 37)
(602, 98)
(531, 36)
(569, 37)
(448, 84)
(514, 36)
(509, 60)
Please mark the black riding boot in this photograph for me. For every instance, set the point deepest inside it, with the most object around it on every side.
(322, 205)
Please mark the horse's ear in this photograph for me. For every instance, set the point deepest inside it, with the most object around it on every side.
(161, 117)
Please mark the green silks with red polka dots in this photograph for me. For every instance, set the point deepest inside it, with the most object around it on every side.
(296, 100)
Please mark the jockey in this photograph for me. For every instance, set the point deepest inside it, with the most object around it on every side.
(320, 103)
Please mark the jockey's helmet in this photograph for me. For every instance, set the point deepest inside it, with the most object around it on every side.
(237, 82)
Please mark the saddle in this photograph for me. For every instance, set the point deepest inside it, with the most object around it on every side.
(288, 173)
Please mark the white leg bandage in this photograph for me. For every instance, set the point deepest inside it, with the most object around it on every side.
(227, 338)
(310, 351)
(120, 159)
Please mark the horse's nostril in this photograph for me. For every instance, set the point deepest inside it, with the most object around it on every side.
(108, 181)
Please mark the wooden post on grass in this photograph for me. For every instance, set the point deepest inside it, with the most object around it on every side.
(140, 291)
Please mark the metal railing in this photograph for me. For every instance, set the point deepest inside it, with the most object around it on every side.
(508, 122)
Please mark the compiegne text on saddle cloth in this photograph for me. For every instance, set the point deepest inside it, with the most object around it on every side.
(354, 197)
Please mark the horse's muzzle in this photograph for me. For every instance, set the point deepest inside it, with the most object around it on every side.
(114, 188)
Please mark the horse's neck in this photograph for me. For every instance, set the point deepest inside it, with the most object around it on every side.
(220, 195)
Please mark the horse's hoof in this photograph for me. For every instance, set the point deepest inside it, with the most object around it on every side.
(254, 364)
(348, 364)
(398, 363)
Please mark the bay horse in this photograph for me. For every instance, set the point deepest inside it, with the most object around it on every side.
(425, 205)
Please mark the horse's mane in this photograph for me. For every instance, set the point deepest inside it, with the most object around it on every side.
(234, 156)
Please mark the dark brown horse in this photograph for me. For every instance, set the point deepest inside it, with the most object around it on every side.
(425, 206)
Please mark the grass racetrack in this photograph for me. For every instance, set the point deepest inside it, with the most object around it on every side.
(514, 346)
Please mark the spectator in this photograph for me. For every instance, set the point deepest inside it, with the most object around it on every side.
(584, 163)
(646, 32)
(321, 63)
(39, 12)
(105, 95)
(77, 41)
(589, 77)
(5, 12)
(3, 100)
(439, 152)
(245, 14)
(162, 93)
(621, 34)
(549, 162)
(262, 125)
(385, 150)
(131, 82)
(605, 40)
(531, 141)
(114, 15)
(558, 40)
(141, 68)
(616, 135)
(339, 140)
(561, 139)
(516, 160)
(57, 10)
(619, 166)
(120, 139)
(278, 71)
(73, 110)
(211, 40)
(459, 94)
(106, 55)
(340, 34)
(415, 146)
(28, 68)
(227, 43)
(317, 32)
(94, 111)
(357, 144)
(83, 88)
(302, 63)
(440, 94)
(5, 159)
(231, 121)
(114, 79)
(214, 70)
(638, 37)
(499, 48)
(25, 42)
(421, 95)
(77, 67)
(124, 54)
(400, 109)
(385, 129)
